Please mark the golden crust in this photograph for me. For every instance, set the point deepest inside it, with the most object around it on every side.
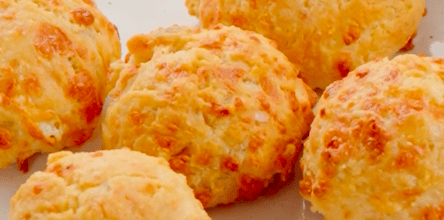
(51, 86)
(376, 144)
(116, 184)
(325, 38)
(223, 106)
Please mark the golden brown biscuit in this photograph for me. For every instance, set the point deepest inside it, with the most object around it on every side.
(376, 146)
(55, 60)
(116, 184)
(325, 38)
(223, 106)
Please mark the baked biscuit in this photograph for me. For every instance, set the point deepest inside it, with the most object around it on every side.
(325, 38)
(55, 60)
(116, 184)
(223, 106)
(376, 145)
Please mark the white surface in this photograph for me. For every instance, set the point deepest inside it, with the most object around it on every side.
(131, 17)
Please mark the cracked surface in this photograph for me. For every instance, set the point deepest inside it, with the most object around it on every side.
(376, 147)
(55, 57)
(106, 185)
(325, 38)
(223, 106)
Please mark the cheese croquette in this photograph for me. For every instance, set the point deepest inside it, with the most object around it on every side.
(55, 60)
(223, 106)
(376, 146)
(325, 38)
(106, 185)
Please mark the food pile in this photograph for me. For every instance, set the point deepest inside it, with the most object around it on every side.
(198, 117)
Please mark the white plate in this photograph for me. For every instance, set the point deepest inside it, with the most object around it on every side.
(131, 17)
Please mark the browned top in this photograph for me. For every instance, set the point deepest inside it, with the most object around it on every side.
(377, 141)
(223, 106)
(52, 73)
(325, 38)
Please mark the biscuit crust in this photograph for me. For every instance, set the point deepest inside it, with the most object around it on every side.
(223, 106)
(325, 38)
(104, 185)
(375, 146)
(55, 61)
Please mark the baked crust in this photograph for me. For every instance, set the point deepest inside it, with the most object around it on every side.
(375, 146)
(325, 38)
(223, 106)
(104, 185)
(55, 61)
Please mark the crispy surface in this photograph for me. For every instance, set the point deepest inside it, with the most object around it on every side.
(55, 55)
(106, 185)
(223, 106)
(376, 145)
(325, 38)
